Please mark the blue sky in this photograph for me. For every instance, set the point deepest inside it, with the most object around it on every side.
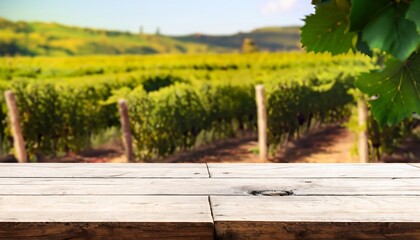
(173, 17)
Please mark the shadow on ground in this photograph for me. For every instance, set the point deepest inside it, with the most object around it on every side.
(330, 144)
(231, 150)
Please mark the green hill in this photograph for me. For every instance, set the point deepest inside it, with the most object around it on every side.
(52, 39)
(36, 38)
(266, 39)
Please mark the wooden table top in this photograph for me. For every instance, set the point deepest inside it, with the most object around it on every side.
(207, 201)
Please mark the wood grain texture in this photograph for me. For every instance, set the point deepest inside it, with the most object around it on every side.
(240, 230)
(363, 138)
(313, 170)
(110, 217)
(105, 230)
(308, 217)
(18, 141)
(262, 121)
(104, 209)
(317, 208)
(125, 129)
(247, 201)
(209, 186)
(103, 170)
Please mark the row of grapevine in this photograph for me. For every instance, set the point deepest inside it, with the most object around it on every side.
(174, 118)
(59, 118)
(176, 103)
(295, 107)
(93, 66)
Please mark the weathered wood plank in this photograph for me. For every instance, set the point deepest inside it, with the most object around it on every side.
(110, 217)
(209, 186)
(104, 209)
(317, 208)
(106, 230)
(105, 165)
(103, 170)
(150, 170)
(332, 217)
(306, 170)
(238, 230)
(132, 201)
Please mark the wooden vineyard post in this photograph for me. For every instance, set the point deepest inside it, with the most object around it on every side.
(125, 129)
(18, 142)
(262, 122)
(363, 135)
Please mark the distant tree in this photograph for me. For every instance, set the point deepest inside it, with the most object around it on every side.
(141, 30)
(157, 31)
(249, 46)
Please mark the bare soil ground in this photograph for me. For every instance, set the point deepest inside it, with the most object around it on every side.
(326, 145)
(331, 144)
(228, 151)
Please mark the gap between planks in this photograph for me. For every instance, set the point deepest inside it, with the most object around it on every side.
(208, 170)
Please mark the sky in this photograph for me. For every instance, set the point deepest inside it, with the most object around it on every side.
(172, 17)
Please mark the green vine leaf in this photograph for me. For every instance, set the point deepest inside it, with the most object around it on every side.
(327, 29)
(413, 13)
(362, 12)
(387, 27)
(397, 88)
(392, 32)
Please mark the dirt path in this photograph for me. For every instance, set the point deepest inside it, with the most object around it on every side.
(331, 144)
(229, 151)
(328, 145)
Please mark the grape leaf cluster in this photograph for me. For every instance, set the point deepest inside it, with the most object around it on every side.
(385, 27)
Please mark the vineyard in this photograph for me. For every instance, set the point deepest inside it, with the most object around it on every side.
(178, 102)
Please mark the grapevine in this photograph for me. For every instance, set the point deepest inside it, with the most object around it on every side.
(388, 29)
(176, 102)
